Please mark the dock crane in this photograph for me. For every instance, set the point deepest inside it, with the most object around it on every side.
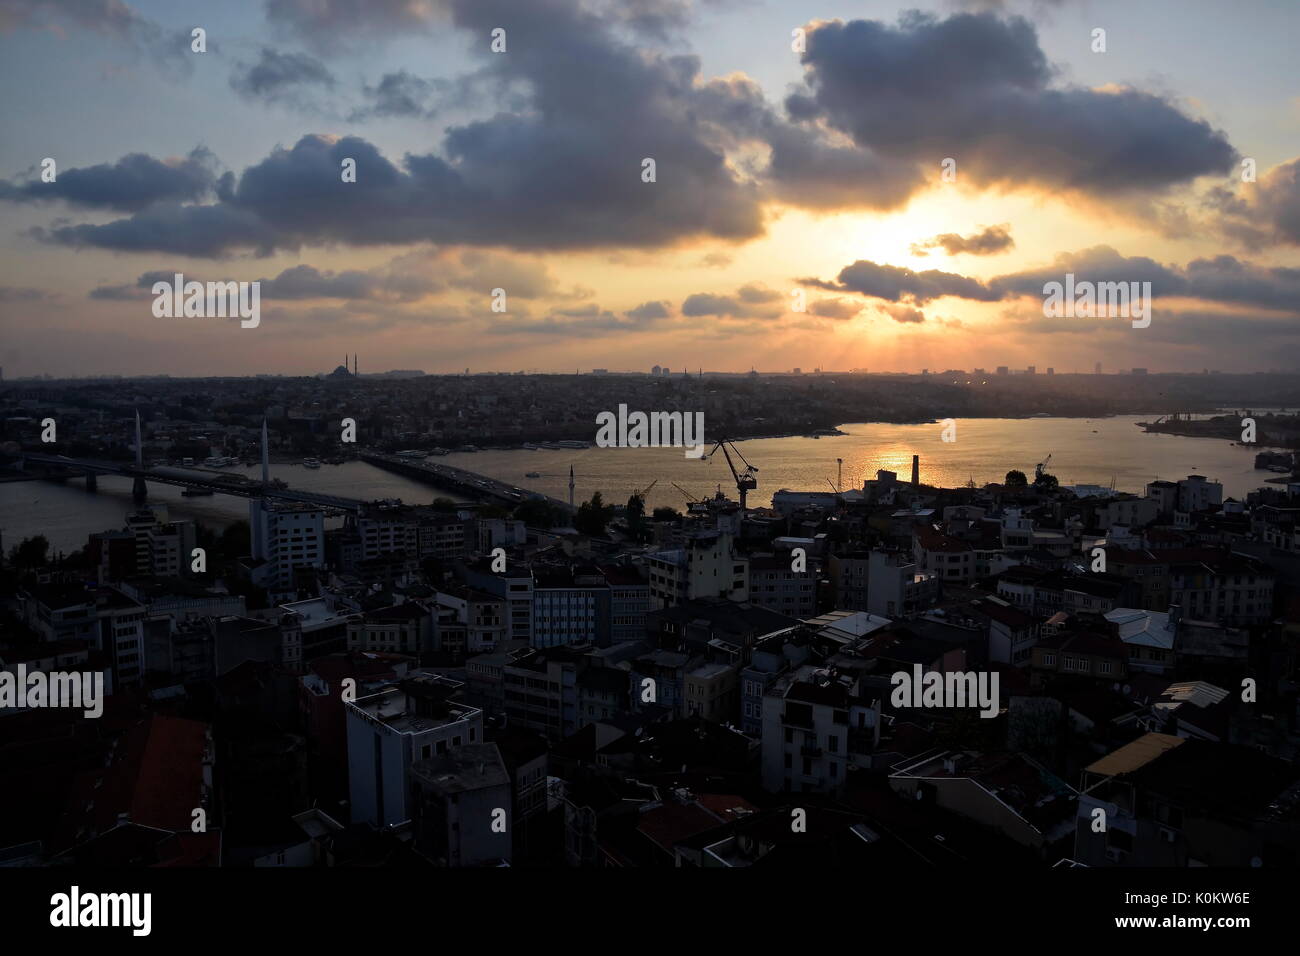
(745, 481)
(642, 492)
(1039, 468)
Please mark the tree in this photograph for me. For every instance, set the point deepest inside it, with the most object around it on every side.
(592, 516)
(536, 513)
(666, 514)
(1046, 482)
(30, 552)
(443, 504)
(1015, 479)
(236, 540)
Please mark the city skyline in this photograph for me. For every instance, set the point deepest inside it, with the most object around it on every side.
(781, 179)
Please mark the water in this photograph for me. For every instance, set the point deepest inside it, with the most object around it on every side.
(985, 449)
(66, 513)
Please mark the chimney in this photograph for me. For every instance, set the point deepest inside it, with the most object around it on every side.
(916, 471)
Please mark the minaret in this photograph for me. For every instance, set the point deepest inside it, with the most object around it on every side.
(355, 373)
(570, 486)
(266, 457)
(139, 445)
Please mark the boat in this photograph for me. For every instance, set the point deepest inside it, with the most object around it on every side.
(532, 474)
(195, 492)
(311, 462)
(531, 446)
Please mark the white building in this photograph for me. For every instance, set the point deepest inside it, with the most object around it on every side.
(285, 537)
(391, 730)
(706, 566)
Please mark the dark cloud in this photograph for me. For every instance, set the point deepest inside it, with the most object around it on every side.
(1262, 213)
(649, 311)
(749, 302)
(338, 24)
(566, 173)
(1225, 280)
(132, 183)
(111, 17)
(280, 77)
(401, 94)
(979, 89)
(897, 284)
(988, 242)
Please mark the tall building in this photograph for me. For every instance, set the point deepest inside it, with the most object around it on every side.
(284, 537)
(388, 732)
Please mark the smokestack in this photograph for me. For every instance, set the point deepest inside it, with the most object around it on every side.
(916, 471)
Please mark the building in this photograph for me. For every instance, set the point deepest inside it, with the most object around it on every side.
(774, 585)
(1178, 802)
(391, 730)
(478, 615)
(897, 587)
(285, 537)
(629, 600)
(950, 558)
(706, 566)
(815, 725)
(462, 807)
(570, 606)
(405, 628)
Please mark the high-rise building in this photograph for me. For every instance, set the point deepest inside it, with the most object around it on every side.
(285, 537)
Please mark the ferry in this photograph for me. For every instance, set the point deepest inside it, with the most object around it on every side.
(574, 444)
(412, 453)
(530, 446)
(311, 462)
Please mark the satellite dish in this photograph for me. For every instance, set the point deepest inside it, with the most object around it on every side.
(1256, 861)
(1128, 689)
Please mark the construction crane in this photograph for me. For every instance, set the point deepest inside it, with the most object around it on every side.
(745, 481)
(1038, 468)
(641, 493)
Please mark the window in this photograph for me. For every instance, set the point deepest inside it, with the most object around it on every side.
(807, 766)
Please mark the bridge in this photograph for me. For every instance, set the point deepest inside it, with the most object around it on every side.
(459, 480)
(223, 484)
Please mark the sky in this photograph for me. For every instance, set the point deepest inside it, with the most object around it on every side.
(837, 185)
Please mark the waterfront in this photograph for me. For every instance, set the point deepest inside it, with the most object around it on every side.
(1084, 451)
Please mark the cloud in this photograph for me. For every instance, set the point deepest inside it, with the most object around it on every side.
(902, 313)
(401, 94)
(649, 311)
(1262, 213)
(751, 301)
(989, 241)
(280, 77)
(898, 284)
(334, 25)
(835, 308)
(979, 89)
(10, 293)
(132, 183)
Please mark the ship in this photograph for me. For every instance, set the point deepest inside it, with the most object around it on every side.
(311, 462)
